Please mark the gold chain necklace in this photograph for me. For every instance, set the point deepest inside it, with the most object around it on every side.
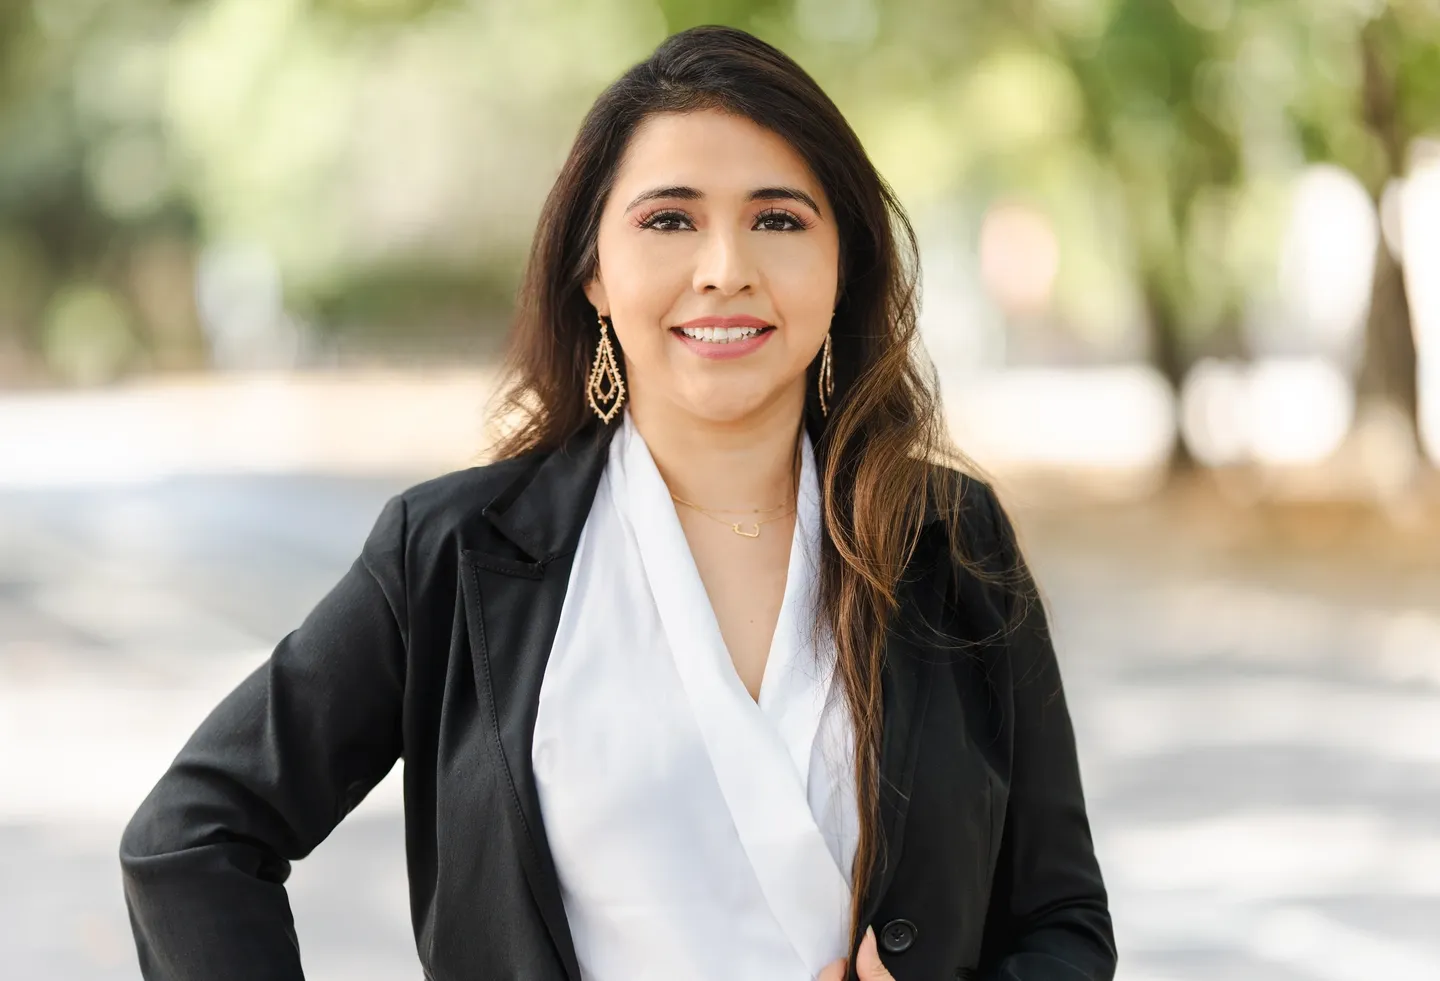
(735, 526)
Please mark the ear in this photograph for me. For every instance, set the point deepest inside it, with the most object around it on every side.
(595, 293)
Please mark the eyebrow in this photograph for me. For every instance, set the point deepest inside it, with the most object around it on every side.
(759, 194)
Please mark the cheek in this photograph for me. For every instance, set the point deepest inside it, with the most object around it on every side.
(803, 284)
(641, 285)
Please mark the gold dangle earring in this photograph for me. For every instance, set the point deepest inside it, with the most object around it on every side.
(827, 377)
(605, 385)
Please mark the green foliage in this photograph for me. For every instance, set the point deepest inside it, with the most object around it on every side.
(391, 155)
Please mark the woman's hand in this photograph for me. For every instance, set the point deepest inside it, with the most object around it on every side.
(867, 963)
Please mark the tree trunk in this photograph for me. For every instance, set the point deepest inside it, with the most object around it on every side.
(1389, 369)
(1169, 357)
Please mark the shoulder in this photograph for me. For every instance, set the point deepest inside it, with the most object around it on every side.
(459, 497)
(965, 508)
(972, 535)
(439, 513)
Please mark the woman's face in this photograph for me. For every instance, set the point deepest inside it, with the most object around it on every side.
(718, 265)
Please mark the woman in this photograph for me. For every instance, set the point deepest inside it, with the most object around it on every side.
(717, 673)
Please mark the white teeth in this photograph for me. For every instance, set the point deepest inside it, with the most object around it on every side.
(719, 335)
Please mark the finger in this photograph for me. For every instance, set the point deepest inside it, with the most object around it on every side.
(834, 971)
(867, 960)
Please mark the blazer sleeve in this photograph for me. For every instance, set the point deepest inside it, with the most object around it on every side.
(1048, 917)
(266, 777)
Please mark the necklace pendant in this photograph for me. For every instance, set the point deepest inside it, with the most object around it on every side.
(746, 534)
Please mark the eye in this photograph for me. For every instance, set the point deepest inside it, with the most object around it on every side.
(779, 220)
(666, 221)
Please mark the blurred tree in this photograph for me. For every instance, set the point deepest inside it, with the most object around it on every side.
(1371, 90)
(88, 205)
(1158, 113)
(1142, 79)
(390, 156)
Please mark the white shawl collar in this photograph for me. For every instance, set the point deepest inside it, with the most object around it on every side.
(760, 752)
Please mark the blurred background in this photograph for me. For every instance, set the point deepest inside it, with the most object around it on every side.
(1181, 284)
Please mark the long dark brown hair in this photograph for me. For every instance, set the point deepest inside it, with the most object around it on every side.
(875, 450)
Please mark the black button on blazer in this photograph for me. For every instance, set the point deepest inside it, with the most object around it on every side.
(432, 649)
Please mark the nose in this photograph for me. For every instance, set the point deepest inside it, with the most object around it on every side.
(724, 265)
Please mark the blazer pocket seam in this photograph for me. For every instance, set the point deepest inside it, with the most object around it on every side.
(504, 566)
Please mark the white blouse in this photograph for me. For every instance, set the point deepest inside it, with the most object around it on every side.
(697, 833)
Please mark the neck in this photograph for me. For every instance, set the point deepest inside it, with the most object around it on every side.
(739, 464)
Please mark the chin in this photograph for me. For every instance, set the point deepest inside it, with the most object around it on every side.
(726, 404)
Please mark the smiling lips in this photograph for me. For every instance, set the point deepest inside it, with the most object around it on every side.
(722, 330)
(723, 338)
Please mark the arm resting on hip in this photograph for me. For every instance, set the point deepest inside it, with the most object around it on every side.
(266, 777)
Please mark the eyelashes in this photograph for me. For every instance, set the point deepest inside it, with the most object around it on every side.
(796, 223)
(769, 220)
(663, 220)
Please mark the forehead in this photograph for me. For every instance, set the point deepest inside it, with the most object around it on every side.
(712, 151)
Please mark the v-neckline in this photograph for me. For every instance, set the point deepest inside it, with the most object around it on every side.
(779, 647)
(786, 641)
(760, 750)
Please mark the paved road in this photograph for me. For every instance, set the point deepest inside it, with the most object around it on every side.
(1263, 762)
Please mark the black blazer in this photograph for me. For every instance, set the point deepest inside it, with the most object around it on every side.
(432, 648)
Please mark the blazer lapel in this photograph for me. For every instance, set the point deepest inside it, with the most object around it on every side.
(516, 603)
